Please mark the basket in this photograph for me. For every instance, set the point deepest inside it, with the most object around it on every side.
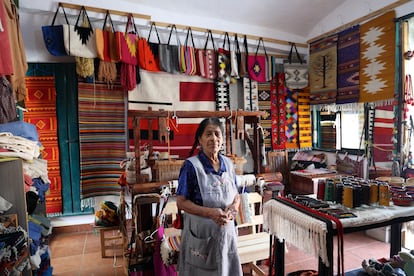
(167, 169)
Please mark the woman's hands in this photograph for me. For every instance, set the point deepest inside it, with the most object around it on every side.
(231, 212)
(219, 216)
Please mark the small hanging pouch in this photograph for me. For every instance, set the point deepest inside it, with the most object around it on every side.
(80, 40)
(296, 73)
(257, 64)
(169, 54)
(188, 63)
(127, 43)
(106, 42)
(224, 65)
(152, 57)
(53, 35)
(235, 59)
(207, 59)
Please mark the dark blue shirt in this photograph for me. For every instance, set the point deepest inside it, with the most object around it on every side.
(187, 180)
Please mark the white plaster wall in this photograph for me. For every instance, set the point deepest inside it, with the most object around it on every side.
(36, 13)
(351, 10)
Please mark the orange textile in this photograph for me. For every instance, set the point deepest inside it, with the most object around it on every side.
(41, 105)
(377, 74)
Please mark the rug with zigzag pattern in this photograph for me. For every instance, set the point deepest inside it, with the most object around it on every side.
(377, 74)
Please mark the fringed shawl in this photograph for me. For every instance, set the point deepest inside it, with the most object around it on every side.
(297, 228)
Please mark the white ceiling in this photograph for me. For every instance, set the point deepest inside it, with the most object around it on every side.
(296, 17)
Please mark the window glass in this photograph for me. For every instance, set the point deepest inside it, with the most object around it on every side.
(339, 130)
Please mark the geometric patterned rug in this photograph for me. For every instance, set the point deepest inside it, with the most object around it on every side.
(292, 134)
(304, 119)
(266, 119)
(102, 138)
(348, 66)
(40, 103)
(377, 74)
(278, 111)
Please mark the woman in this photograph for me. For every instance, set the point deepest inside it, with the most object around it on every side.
(207, 193)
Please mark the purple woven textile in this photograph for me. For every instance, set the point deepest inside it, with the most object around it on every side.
(348, 66)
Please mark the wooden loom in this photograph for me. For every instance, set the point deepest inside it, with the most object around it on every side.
(249, 117)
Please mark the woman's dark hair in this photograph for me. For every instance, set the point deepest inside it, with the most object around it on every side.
(201, 127)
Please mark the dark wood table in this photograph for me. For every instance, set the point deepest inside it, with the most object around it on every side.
(302, 182)
(368, 218)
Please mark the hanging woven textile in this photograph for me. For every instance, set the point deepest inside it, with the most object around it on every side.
(278, 111)
(250, 95)
(323, 70)
(265, 119)
(304, 119)
(222, 95)
(348, 66)
(383, 133)
(377, 77)
(291, 128)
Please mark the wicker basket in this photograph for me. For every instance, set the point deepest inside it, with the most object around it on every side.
(167, 169)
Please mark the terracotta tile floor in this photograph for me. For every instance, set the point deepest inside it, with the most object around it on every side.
(75, 250)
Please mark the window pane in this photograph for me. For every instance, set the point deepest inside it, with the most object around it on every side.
(352, 123)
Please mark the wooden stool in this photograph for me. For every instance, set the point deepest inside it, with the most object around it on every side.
(109, 241)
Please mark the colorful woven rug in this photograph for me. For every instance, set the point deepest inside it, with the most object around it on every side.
(348, 66)
(304, 119)
(291, 127)
(102, 138)
(278, 111)
(266, 119)
(377, 74)
(40, 103)
(323, 70)
(383, 133)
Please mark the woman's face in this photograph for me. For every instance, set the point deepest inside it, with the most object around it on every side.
(211, 140)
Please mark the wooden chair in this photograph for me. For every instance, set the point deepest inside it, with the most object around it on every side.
(254, 246)
(278, 162)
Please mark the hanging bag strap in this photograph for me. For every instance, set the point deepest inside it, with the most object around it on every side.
(189, 33)
(156, 31)
(108, 16)
(130, 26)
(209, 34)
(297, 54)
(246, 50)
(84, 15)
(64, 13)
(236, 44)
(173, 27)
(258, 46)
(226, 39)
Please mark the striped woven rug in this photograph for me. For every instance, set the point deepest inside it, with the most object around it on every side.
(102, 138)
(304, 119)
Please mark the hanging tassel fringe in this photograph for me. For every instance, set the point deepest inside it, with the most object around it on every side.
(107, 72)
